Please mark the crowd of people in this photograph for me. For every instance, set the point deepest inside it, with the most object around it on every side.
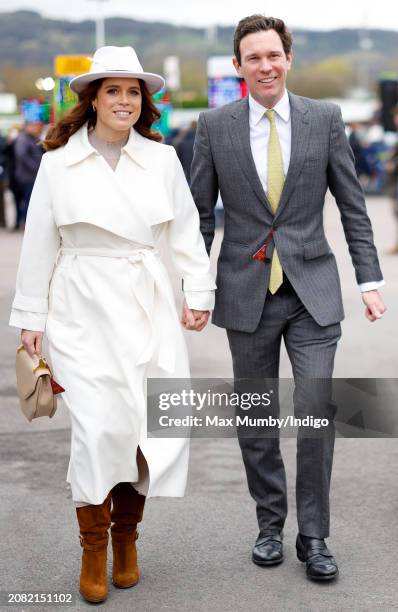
(376, 163)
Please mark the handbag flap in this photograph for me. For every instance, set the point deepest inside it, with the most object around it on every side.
(27, 379)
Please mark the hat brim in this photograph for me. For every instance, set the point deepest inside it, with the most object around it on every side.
(154, 82)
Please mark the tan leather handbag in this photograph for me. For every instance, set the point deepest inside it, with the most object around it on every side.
(36, 387)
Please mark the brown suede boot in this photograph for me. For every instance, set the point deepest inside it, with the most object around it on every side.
(94, 522)
(127, 510)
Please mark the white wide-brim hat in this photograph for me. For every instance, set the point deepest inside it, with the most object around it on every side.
(121, 62)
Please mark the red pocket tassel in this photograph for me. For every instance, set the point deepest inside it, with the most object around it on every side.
(261, 254)
(56, 387)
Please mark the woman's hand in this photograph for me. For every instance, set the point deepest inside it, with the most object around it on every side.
(194, 319)
(32, 341)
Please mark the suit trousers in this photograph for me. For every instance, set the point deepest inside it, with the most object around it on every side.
(311, 350)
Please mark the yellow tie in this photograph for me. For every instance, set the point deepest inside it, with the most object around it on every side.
(275, 182)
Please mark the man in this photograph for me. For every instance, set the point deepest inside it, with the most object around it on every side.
(28, 154)
(272, 156)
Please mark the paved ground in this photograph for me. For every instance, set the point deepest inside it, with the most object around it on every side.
(195, 552)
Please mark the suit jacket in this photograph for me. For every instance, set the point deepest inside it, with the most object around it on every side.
(321, 158)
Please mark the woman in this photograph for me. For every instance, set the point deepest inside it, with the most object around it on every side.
(90, 275)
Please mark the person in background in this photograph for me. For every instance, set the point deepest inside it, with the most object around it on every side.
(183, 145)
(361, 164)
(392, 169)
(172, 134)
(3, 144)
(27, 153)
(12, 185)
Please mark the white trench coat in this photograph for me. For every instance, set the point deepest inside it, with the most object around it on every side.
(91, 277)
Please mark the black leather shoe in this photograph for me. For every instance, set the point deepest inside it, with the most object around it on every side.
(268, 549)
(318, 558)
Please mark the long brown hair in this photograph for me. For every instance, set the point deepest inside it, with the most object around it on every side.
(83, 112)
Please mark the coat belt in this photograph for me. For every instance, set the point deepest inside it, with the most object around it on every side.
(156, 300)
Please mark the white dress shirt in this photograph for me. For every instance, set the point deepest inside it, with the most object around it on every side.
(260, 130)
(259, 135)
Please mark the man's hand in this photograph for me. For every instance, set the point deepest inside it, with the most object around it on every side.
(32, 341)
(374, 305)
(194, 319)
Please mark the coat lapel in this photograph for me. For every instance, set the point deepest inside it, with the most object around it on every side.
(128, 201)
(239, 131)
(301, 127)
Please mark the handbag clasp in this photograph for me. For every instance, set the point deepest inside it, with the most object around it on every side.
(42, 364)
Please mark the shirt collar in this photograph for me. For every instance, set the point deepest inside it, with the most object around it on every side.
(79, 148)
(282, 108)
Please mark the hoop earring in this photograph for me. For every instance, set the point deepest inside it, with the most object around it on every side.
(94, 108)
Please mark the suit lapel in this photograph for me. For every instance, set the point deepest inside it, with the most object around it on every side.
(239, 131)
(301, 127)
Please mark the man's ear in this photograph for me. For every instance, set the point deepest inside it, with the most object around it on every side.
(289, 60)
(236, 66)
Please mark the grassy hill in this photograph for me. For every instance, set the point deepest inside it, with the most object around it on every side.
(29, 42)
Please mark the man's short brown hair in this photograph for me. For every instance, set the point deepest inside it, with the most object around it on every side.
(260, 23)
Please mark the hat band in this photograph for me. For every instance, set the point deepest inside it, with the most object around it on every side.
(119, 70)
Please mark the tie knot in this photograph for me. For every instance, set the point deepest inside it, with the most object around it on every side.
(270, 114)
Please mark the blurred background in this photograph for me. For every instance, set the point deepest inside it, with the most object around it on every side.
(344, 53)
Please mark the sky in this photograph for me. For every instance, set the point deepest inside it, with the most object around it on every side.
(309, 14)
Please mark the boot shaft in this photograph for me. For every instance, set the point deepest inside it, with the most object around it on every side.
(127, 509)
(94, 523)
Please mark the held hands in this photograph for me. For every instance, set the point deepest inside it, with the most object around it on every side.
(374, 305)
(190, 319)
(194, 319)
(32, 341)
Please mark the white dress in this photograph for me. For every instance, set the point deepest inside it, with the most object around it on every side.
(111, 323)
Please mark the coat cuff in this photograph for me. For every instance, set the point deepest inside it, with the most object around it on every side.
(33, 321)
(204, 282)
(31, 304)
(199, 300)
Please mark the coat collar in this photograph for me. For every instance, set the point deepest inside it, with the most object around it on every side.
(79, 148)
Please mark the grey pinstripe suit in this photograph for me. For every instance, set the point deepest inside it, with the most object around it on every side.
(308, 309)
